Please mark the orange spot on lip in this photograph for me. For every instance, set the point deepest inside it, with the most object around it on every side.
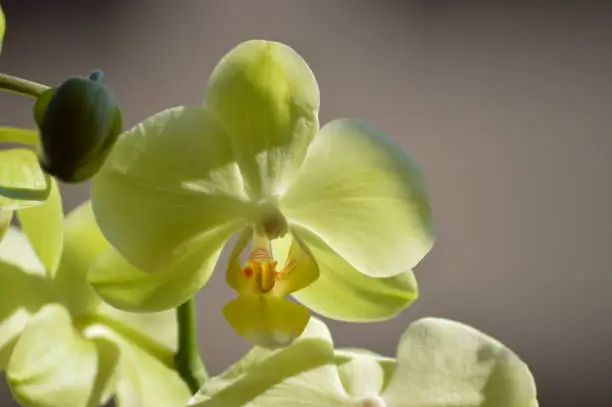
(263, 273)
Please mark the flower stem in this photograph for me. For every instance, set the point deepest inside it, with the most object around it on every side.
(9, 83)
(188, 363)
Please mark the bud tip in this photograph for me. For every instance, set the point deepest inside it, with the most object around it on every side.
(96, 75)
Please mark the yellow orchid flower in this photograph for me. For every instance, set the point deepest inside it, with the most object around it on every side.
(337, 217)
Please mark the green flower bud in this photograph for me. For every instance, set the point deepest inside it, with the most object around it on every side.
(79, 122)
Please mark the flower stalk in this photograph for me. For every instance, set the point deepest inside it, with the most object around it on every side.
(187, 360)
(9, 83)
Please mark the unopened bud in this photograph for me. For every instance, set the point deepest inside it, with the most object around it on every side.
(79, 122)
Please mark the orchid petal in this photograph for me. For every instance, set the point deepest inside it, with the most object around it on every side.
(106, 377)
(266, 321)
(146, 382)
(43, 225)
(2, 27)
(5, 221)
(343, 293)
(363, 373)
(144, 377)
(364, 197)
(168, 180)
(268, 99)
(52, 364)
(22, 181)
(130, 289)
(29, 290)
(17, 135)
(298, 267)
(442, 363)
(234, 261)
(303, 371)
(159, 326)
(83, 244)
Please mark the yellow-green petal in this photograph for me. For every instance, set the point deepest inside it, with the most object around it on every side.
(363, 373)
(142, 378)
(362, 194)
(83, 240)
(268, 99)
(15, 249)
(22, 181)
(51, 364)
(266, 377)
(442, 363)
(234, 261)
(300, 375)
(343, 293)
(28, 289)
(270, 322)
(106, 377)
(43, 225)
(167, 181)
(2, 27)
(128, 288)
(145, 381)
(297, 266)
(83, 244)
(5, 221)
(160, 327)
(18, 135)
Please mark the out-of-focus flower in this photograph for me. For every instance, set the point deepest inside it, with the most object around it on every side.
(336, 217)
(60, 344)
(439, 363)
(2, 27)
(22, 182)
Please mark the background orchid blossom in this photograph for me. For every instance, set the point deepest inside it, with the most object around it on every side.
(2, 27)
(336, 216)
(23, 183)
(60, 345)
(439, 363)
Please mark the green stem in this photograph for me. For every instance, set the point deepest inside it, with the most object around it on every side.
(9, 83)
(187, 360)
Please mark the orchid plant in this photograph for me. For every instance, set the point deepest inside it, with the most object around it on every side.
(98, 304)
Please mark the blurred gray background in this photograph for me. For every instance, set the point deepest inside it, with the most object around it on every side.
(507, 107)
